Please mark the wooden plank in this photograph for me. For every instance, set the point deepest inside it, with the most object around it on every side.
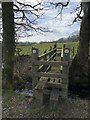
(62, 53)
(52, 63)
(56, 81)
(45, 54)
(43, 68)
(53, 85)
(43, 91)
(64, 91)
(48, 68)
(55, 75)
(59, 48)
(39, 96)
(54, 95)
(47, 92)
(52, 57)
(41, 83)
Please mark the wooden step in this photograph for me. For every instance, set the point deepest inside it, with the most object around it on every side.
(41, 83)
(53, 85)
(54, 95)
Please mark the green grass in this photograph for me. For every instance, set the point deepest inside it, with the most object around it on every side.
(26, 49)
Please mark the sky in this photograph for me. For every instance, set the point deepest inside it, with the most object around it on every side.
(60, 26)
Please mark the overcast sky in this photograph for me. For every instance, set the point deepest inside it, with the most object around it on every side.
(59, 26)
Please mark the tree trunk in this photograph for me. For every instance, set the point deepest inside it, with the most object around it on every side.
(78, 72)
(83, 52)
(8, 44)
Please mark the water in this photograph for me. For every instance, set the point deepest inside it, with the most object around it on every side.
(25, 92)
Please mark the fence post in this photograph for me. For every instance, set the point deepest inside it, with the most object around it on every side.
(34, 67)
(66, 57)
(45, 57)
(73, 51)
(50, 50)
(55, 45)
(66, 54)
(62, 55)
(64, 46)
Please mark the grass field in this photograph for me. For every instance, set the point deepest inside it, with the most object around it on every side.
(26, 49)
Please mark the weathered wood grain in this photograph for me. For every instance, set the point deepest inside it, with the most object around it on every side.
(55, 75)
(41, 83)
(54, 95)
(51, 63)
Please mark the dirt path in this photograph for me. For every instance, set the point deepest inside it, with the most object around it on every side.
(19, 106)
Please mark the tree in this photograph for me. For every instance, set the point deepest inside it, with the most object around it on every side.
(8, 43)
(79, 76)
(83, 52)
(26, 16)
(10, 27)
(78, 72)
(80, 61)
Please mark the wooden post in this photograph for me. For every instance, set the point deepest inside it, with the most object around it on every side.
(34, 67)
(62, 55)
(64, 46)
(66, 57)
(45, 57)
(39, 96)
(66, 54)
(50, 50)
(64, 92)
(61, 68)
(73, 51)
(56, 48)
(55, 45)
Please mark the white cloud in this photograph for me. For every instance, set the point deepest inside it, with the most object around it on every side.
(59, 27)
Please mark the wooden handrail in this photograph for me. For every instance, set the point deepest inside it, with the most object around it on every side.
(46, 54)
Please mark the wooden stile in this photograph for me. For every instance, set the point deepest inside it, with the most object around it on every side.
(50, 84)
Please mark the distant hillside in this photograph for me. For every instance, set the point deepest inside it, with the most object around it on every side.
(70, 38)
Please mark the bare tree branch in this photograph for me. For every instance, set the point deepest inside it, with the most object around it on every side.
(62, 5)
(26, 16)
(78, 14)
